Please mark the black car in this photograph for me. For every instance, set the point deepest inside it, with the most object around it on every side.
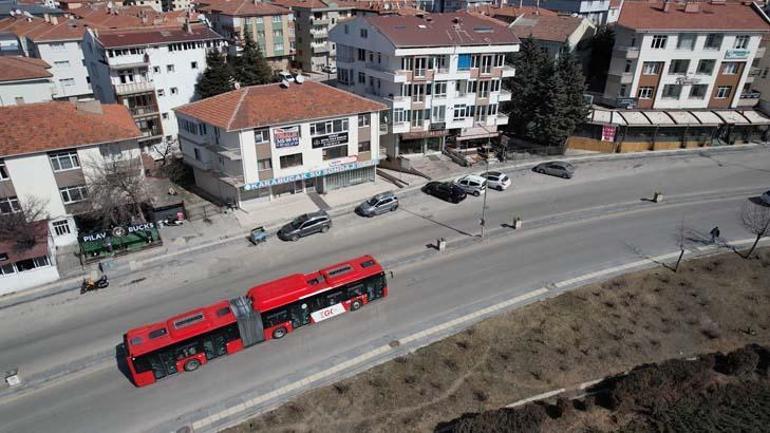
(304, 225)
(445, 191)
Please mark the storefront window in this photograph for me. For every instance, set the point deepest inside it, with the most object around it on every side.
(335, 152)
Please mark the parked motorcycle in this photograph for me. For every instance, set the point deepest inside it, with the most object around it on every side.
(90, 284)
(169, 222)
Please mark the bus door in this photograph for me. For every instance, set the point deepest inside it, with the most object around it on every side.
(163, 364)
(300, 313)
(215, 345)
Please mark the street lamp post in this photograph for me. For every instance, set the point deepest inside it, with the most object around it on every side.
(483, 221)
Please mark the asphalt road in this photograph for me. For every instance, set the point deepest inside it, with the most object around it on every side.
(592, 222)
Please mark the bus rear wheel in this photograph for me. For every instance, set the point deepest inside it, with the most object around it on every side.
(279, 332)
(192, 365)
(355, 305)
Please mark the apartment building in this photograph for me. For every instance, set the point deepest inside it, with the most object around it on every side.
(440, 75)
(270, 25)
(685, 55)
(24, 80)
(257, 143)
(48, 152)
(55, 40)
(599, 12)
(312, 21)
(556, 34)
(151, 71)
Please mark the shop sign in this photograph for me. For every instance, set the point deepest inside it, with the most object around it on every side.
(118, 232)
(737, 54)
(345, 160)
(308, 175)
(437, 126)
(330, 140)
(286, 137)
(608, 132)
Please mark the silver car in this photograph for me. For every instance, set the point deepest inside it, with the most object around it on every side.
(556, 168)
(472, 184)
(379, 204)
(497, 180)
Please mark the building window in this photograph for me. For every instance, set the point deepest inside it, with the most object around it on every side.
(723, 92)
(672, 91)
(361, 78)
(713, 41)
(698, 91)
(259, 20)
(194, 65)
(361, 55)
(329, 127)
(659, 41)
(261, 136)
(67, 82)
(67, 160)
(62, 63)
(705, 67)
(164, 116)
(174, 91)
(264, 164)
(439, 89)
(19, 100)
(439, 113)
(197, 153)
(363, 120)
(364, 146)
(464, 62)
(3, 171)
(278, 46)
(9, 205)
(460, 112)
(61, 228)
(741, 42)
(623, 91)
(169, 68)
(161, 92)
(156, 69)
(651, 68)
(346, 29)
(678, 66)
(629, 64)
(335, 152)
(293, 160)
(364, 33)
(730, 68)
(686, 41)
(277, 19)
(73, 194)
(400, 115)
(646, 92)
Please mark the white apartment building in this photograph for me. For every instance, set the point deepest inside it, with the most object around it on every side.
(597, 11)
(150, 71)
(256, 143)
(24, 80)
(685, 56)
(55, 40)
(440, 75)
(47, 153)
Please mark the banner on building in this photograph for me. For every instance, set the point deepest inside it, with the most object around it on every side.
(608, 133)
(330, 140)
(286, 137)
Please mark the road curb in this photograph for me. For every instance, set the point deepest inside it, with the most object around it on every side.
(72, 283)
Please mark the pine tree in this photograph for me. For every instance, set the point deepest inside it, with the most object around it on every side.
(251, 68)
(218, 77)
(575, 108)
(551, 127)
(525, 91)
(601, 53)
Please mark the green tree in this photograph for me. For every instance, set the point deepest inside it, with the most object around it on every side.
(525, 90)
(601, 53)
(551, 127)
(218, 77)
(250, 67)
(574, 110)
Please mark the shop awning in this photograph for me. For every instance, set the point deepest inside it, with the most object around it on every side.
(672, 118)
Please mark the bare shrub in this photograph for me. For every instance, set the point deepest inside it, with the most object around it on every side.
(756, 219)
(740, 362)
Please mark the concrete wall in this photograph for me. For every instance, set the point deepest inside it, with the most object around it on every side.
(32, 91)
(67, 63)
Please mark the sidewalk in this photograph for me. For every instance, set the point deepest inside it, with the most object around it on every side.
(235, 225)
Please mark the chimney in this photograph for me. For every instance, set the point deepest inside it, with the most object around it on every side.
(666, 6)
(691, 7)
(89, 106)
(47, 18)
(187, 27)
(54, 19)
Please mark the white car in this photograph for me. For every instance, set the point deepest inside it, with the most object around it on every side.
(497, 180)
(472, 184)
(285, 75)
(766, 197)
(329, 69)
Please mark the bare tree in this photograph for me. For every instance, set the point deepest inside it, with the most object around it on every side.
(165, 150)
(682, 242)
(18, 225)
(117, 190)
(756, 219)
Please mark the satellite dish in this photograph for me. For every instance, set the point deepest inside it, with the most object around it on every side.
(284, 84)
(27, 14)
(299, 79)
(12, 13)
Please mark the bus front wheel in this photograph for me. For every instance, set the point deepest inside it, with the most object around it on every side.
(279, 332)
(192, 365)
(355, 305)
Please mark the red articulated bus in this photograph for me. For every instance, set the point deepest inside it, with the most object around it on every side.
(268, 311)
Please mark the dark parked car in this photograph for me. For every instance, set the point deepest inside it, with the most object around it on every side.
(445, 191)
(304, 225)
(556, 168)
(379, 204)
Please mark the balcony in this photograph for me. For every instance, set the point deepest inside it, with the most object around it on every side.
(627, 52)
(626, 78)
(501, 119)
(320, 21)
(319, 32)
(505, 95)
(135, 87)
(508, 70)
(754, 71)
(151, 133)
(749, 99)
(143, 111)
(320, 48)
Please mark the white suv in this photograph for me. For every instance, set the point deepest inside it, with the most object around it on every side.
(472, 184)
(497, 180)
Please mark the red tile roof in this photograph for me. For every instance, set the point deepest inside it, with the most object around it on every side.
(642, 15)
(556, 28)
(242, 8)
(33, 128)
(154, 36)
(509, 11)
(439, 30)
(14, 68)
(271, 104)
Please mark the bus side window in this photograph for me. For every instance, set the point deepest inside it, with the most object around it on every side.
(275, 317)
(335, 297)
(356, 290)
(142, 363)
(374, 286)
